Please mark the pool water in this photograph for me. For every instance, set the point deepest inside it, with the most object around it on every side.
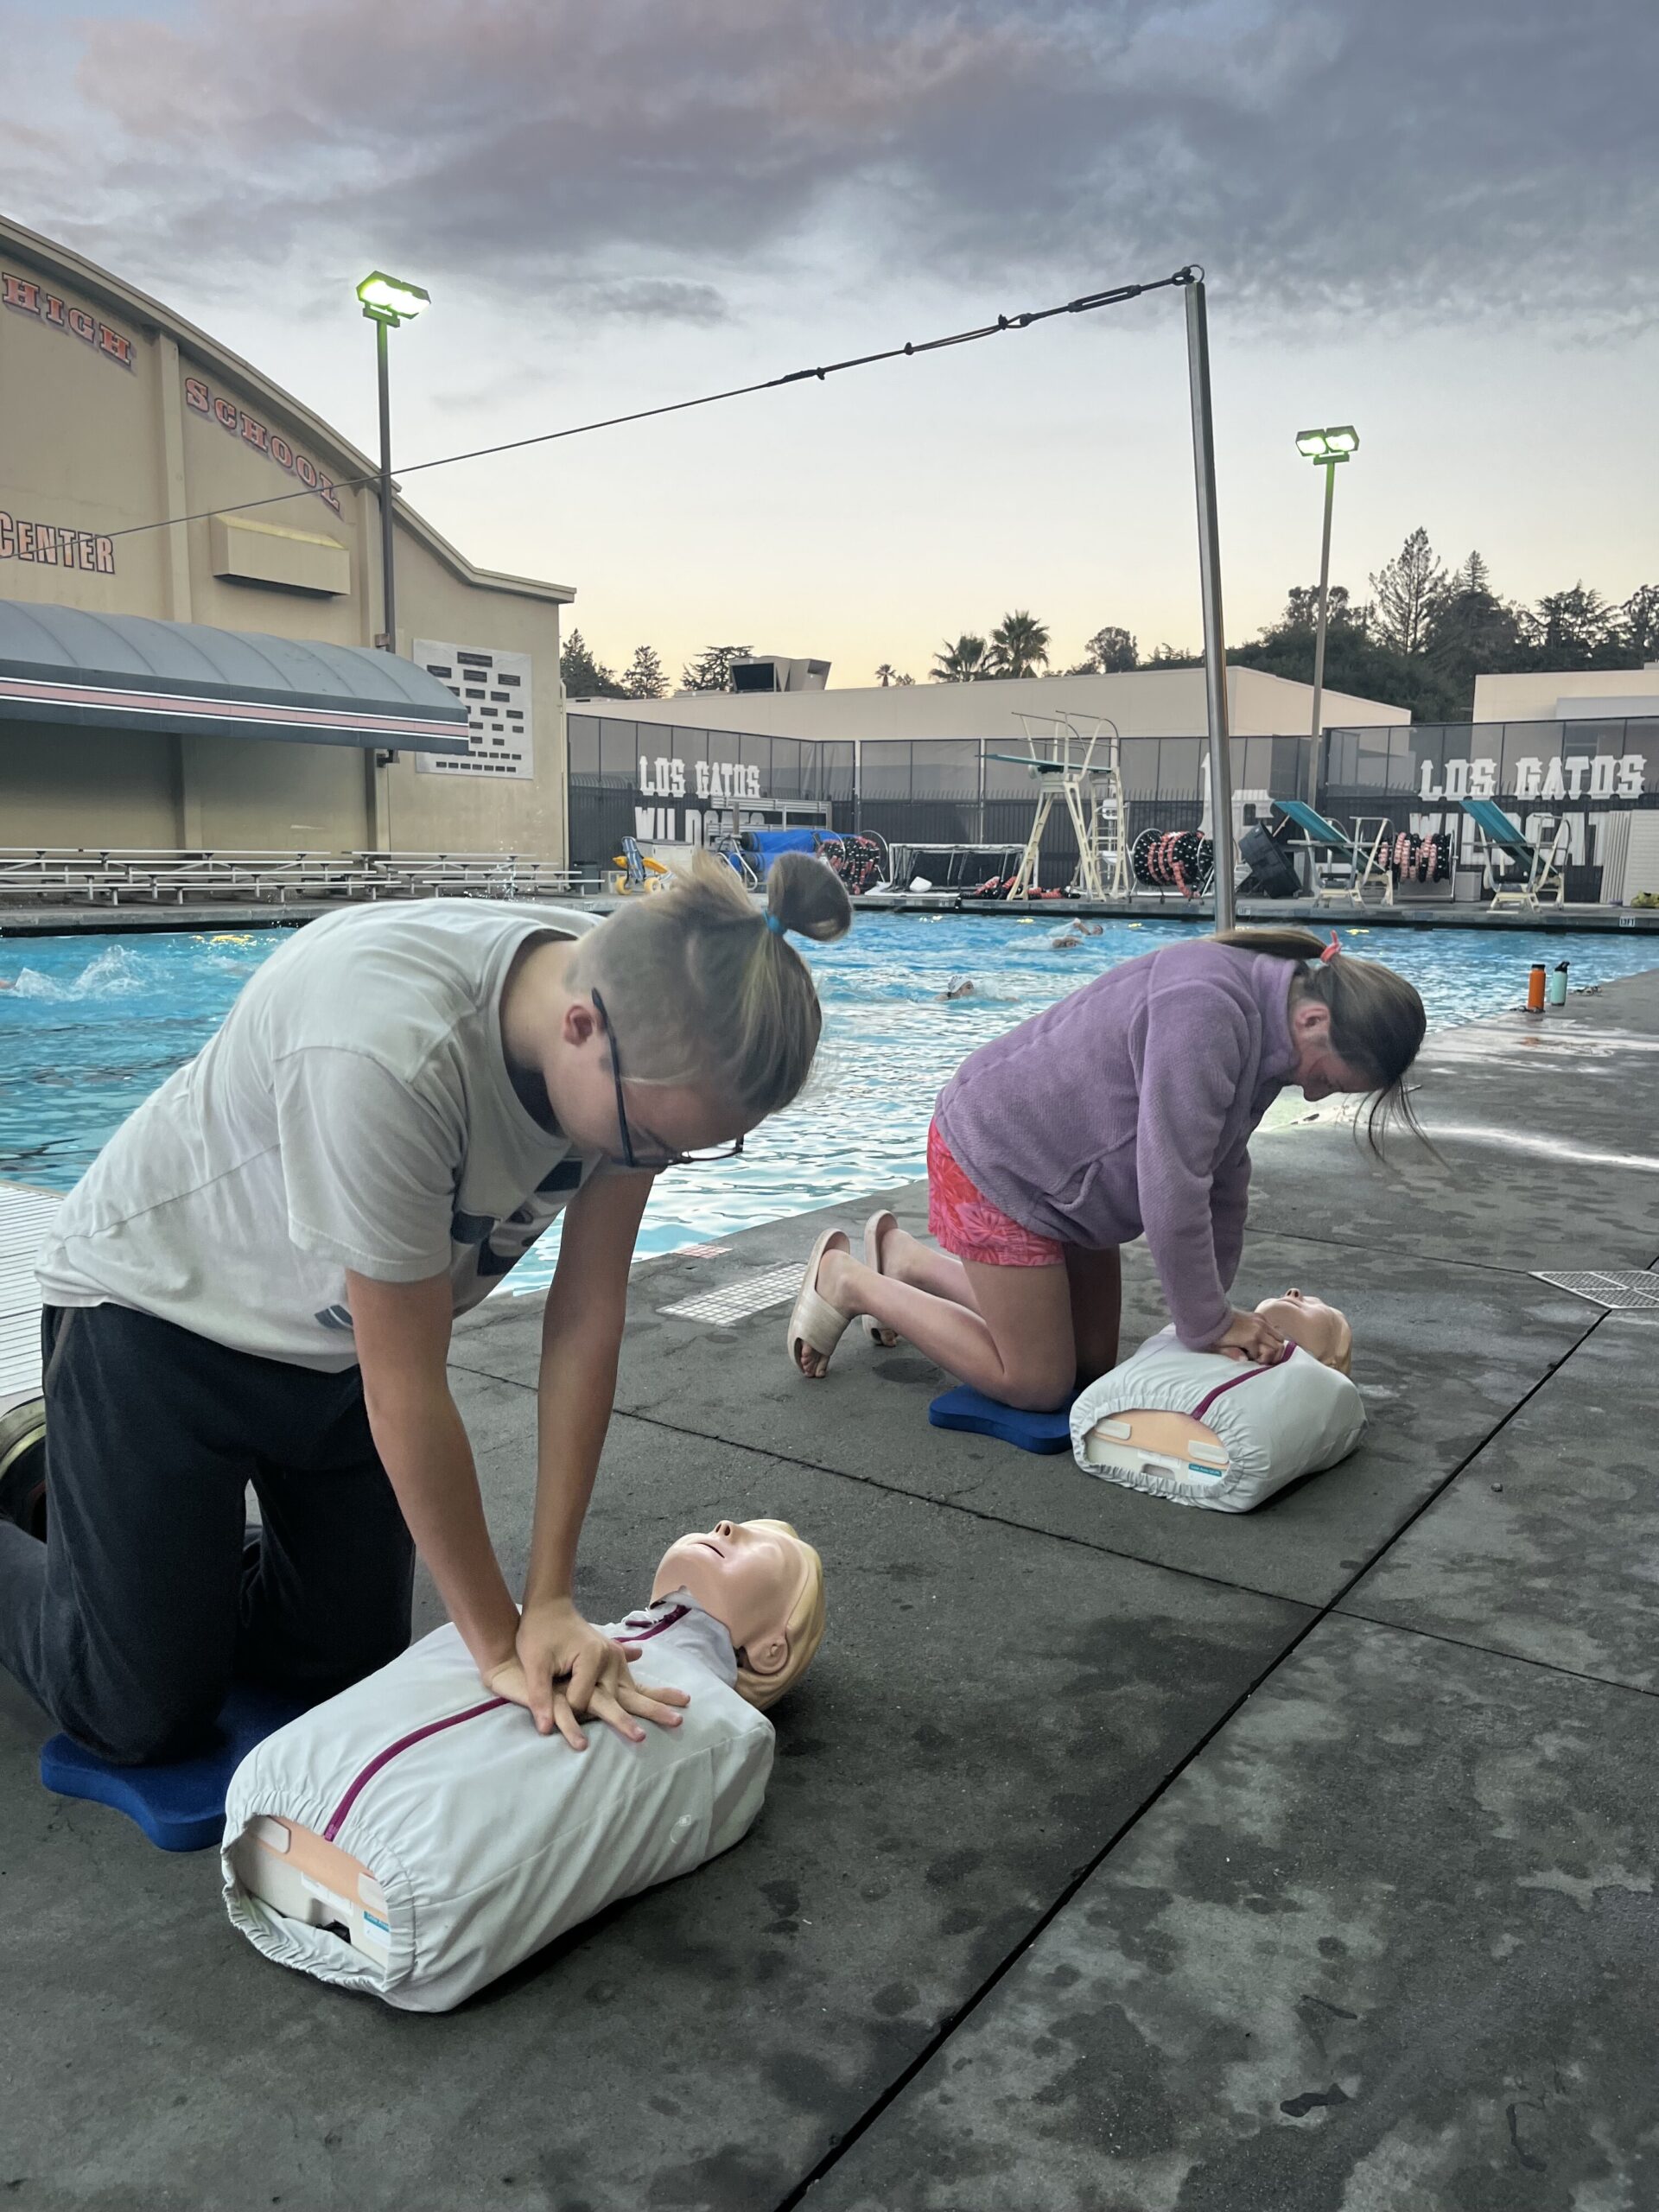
(91, 1025)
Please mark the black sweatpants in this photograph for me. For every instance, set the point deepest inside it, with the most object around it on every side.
(151, 1592)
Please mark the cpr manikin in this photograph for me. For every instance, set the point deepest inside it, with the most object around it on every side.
(1201, 1429)
(414, 1838)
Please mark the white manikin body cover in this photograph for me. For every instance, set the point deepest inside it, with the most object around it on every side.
(1276, 1422)
(489, 1838)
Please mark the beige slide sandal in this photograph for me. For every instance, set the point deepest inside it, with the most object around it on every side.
(875, 1228)
(812, 1321)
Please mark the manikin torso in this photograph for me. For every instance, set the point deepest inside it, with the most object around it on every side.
(415, 1836)
(1181, 1439)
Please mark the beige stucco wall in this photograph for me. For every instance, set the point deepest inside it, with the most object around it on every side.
(1538, 697)
(1142, 701)
(155, 420)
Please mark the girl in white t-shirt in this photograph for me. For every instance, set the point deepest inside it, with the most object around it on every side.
(255, 1282)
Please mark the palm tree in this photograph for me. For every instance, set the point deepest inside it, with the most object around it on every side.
(1019, 646)
(884, 675)
(962, 663)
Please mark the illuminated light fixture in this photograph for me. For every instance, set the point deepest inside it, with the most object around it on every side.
(1335, 444)
(389, 304)
(1338, 442)
(387, 300)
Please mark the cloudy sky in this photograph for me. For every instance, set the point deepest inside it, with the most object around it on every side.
(1436, 219)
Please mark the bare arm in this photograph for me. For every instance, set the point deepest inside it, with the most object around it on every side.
(581, 1337)
(565, 1666)
(403, 1342)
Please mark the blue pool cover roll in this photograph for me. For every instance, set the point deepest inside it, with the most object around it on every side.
(180, 1806)
(765, 845)
(971, 1409)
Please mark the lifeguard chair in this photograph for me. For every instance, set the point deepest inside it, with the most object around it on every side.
(1084, 770)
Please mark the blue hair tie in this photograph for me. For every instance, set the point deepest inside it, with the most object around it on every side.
(775, 923)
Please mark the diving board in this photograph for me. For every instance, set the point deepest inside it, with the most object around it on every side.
(1521, 871)
(1358, 860)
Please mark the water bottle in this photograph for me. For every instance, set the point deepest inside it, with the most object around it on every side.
(1535, 989)
(1558, 984)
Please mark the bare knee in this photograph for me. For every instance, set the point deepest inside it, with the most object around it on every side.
(1043, 1390)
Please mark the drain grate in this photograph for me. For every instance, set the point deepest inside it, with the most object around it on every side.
(1617, 1290)
(750, 1295)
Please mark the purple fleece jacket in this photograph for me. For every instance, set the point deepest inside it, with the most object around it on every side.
(1129, 1107)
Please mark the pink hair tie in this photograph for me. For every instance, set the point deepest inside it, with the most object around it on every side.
(1331, 950)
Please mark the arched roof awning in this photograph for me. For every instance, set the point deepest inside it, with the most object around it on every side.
(127, 672)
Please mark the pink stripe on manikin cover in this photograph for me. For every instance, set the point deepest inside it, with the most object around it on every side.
(454, 1720)
(1250, 1374)
(402, 1743)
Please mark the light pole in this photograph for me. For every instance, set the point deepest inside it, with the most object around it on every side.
(1326, 448)
(387, 302)
(1214, 646)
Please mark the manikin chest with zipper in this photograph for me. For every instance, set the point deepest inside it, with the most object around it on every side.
(1199, 1429)
(415, 1838)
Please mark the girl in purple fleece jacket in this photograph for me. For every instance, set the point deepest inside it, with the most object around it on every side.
(1126, 1108)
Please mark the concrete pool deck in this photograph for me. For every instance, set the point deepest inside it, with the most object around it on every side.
(1117, 1859)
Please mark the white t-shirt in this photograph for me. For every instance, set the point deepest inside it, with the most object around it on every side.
(354, 1110)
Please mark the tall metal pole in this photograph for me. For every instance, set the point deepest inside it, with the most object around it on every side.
(388, 583)
(1215, 648)
(1312, 793)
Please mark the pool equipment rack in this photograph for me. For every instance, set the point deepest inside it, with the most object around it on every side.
(1085, 772)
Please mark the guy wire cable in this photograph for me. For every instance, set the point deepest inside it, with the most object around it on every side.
(1083, 305)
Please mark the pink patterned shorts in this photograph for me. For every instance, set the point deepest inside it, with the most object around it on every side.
(966, 1223)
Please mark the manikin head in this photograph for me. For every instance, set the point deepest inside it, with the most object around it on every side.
(765, 1584)
(1320, 1329)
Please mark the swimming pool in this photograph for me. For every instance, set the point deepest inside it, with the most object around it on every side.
(91, 1024)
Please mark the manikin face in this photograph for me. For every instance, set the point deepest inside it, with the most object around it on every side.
(746, 1574)
(1320, 1329)
(1318, 1068)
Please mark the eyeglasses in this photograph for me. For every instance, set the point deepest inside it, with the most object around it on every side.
(652, 1162)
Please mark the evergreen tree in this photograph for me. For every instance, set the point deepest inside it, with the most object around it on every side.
(645, 676)
(712, 669)
(1408, 590)
(1107, 653)
(1639, 626)
(582, 676)
(1474, 632)
(1575, 628)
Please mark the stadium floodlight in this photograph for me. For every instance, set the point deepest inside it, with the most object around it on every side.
(386, 299)
(388, 303)
(1338, 442)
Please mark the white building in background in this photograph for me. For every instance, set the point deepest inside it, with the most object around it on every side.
(1142, 701)
(1570, 696)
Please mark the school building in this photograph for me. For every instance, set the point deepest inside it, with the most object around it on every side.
(212, 683)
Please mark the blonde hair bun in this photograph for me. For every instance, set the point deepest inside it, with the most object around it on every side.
(805, 896)
(706, 989)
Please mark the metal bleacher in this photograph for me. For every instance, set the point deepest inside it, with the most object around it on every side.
(68, 876)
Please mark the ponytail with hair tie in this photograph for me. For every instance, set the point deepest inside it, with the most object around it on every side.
(1377, 1021)
(700, 992)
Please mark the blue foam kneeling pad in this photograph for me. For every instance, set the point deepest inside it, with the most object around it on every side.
(965, 1408)
(180, 1806)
